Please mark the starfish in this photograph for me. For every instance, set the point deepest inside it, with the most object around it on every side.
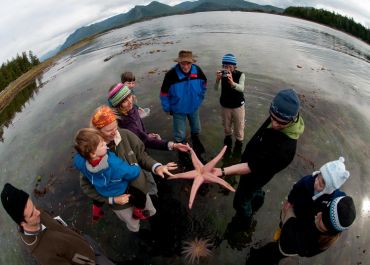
(202, 174)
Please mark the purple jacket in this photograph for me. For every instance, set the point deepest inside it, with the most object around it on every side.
(133, 122)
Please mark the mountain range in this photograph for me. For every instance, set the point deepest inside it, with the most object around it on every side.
(156, 9)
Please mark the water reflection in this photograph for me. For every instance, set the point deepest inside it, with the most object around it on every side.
(7, 115)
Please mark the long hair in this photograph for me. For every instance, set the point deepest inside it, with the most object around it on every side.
(326, 240)
(119, 110)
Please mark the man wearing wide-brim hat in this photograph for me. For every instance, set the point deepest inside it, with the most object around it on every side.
(182, 93)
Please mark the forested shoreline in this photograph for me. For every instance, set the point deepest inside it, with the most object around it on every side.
(14, 68)
(330, 19)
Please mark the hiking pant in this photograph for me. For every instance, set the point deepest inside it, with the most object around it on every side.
(248, 198)
(233, 121)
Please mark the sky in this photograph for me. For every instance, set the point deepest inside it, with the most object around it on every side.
(42, 25)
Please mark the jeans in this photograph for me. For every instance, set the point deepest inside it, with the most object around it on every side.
(179, 125)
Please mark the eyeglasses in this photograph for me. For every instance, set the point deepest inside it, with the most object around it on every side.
(280, 122)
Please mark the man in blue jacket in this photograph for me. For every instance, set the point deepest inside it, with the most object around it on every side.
(182, 93)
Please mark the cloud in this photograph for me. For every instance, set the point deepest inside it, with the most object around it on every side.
(42, 25)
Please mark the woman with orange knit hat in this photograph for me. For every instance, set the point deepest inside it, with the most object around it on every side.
(129, 148)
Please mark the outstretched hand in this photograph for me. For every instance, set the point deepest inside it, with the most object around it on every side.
(165, 169)
(181, 147)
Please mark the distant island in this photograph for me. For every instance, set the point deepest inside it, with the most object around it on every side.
(156, 9)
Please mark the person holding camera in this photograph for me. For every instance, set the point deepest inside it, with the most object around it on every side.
(231, 82)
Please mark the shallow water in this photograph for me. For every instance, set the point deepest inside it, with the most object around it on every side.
(327, 68)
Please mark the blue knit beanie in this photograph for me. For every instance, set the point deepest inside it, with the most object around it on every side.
(229, 59)
(285, 105)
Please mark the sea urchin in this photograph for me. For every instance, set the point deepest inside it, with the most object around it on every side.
(196, 249)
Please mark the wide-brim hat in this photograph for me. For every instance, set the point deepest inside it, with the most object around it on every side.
(185, 56)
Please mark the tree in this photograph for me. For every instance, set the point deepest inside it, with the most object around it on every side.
(13, 69)
(34, 59)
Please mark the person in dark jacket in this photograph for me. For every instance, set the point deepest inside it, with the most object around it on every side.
(49, 239)
(231, 82)
(182, 93)
(307, 239)
(308, 193)
(270, 150)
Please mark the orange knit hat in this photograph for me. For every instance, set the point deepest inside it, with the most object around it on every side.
(102, 117)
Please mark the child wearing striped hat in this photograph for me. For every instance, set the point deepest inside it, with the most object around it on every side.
(307, 239)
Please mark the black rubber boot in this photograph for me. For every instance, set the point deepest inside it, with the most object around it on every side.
(228, 141)
(238, 144)
(237, 152)
(197, 144)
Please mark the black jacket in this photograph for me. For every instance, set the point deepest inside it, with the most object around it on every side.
(268, 152)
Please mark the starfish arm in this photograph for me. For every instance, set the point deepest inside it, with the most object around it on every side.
(214, 179)
(184, 175)
(196, 162)
(194, 189)
(211, 164)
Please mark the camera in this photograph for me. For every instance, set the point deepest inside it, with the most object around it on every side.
(224, 73)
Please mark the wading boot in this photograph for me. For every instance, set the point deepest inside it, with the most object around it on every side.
(237, 152)
(228, 141)
(198, 147)
(197, 144)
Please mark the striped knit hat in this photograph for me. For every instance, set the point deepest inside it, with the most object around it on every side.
(229, 59)
(118, 94)
(339, 214)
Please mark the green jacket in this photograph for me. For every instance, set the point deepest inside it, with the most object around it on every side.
(58, 245)
(132, 150)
